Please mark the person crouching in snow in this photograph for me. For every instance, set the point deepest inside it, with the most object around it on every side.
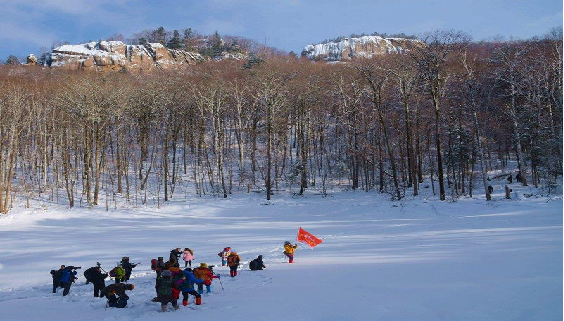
(110, 292)
(223, 255)
(289, 250)
(186, 285)
(204, 273)
(187, 256)
(233, 261)
(257, 264)
(164, 289)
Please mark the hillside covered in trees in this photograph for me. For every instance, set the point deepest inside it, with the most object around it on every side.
(446, 113)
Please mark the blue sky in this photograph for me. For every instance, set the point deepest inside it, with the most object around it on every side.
(28, 25)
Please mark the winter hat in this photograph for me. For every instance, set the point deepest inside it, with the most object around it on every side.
(287, 242)
(186, 249)
(166, 273)
(234, 253)
(260, 257)
(203, 265)
(130, 287)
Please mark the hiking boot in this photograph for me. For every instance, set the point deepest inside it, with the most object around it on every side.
(163, 308)
(176, 307)
(198, 300)
(184, 302)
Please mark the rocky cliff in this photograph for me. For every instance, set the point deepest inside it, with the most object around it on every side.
(115, 55)
(364, 47)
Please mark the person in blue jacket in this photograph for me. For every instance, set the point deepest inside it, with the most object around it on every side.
(186, 285)
(67, 278)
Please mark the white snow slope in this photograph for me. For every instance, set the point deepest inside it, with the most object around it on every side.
(379, 260)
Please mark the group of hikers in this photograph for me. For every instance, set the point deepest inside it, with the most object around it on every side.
(170, 281)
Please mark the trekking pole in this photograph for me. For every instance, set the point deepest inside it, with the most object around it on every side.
(219, 279)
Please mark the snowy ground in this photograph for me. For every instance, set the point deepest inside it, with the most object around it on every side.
(380, 260)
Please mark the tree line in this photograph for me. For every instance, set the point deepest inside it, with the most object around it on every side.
(445, 113)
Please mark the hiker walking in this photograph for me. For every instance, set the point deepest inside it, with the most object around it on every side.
(186, 285)
(95, 275)
(203, 272)
(233, 261)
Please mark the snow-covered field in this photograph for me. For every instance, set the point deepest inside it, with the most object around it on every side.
(380, 260)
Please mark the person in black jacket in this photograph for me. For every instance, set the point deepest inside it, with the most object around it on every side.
(175, 255)
(128, 267)
(57, 275)
(257, 264)
(97, 278)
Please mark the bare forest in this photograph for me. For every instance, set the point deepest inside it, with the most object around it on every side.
(444, 115)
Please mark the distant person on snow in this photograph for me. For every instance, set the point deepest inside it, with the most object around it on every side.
(518, 177)
(118, 273)
(164, 288)
(68, 276)
(95, 275)
(186, 286)
(289, 250)
(57, 275)
(203, 272)
(187, 256)
(175, 255)
(223, 255)
(490, 189)
(127, 267)
(510, 179)
(233, 261)
(257, 264)
(115, 293)
(158, 265)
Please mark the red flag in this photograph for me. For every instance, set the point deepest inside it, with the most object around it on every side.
(308, 238)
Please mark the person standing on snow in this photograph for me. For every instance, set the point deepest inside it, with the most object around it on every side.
(289, 250)
(164, 288)
(186, 285)
(203, 272)
(127, 267)
(175, 255)
(95, 275)
(223, 255)
(67, 278)
(187, 256)
(233, 261)
(57, 275)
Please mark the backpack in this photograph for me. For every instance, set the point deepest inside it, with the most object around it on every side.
(253, 265)
(154, 264)
(88, 273)
(232, 260)
(118, 272)
(165, 288)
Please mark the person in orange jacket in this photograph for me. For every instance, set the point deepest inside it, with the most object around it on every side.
(289, 250)
(203, 272)
(233, 261)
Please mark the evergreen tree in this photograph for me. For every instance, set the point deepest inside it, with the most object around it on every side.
(174, 42)
(12, 60)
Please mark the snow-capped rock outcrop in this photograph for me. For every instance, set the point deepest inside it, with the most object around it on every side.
(365, 47)
(115, 55)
